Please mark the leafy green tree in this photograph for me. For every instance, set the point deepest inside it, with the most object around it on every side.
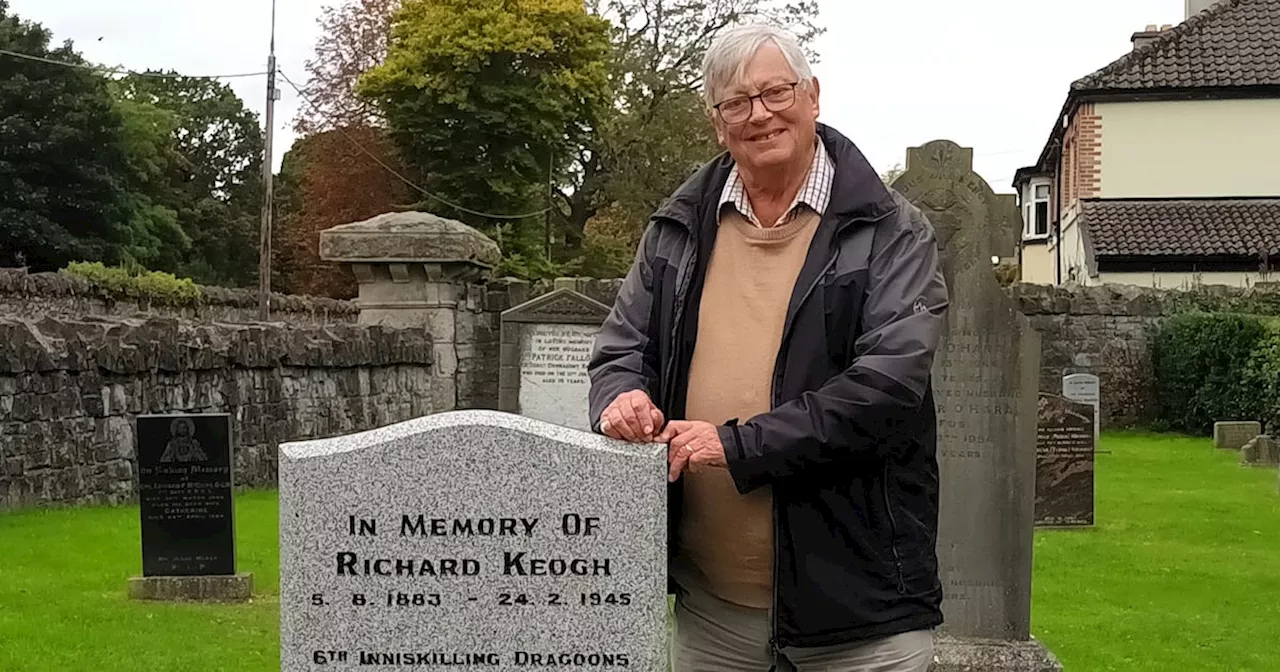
(63, 164)
(157, 241)
(484, 100)
(213, 172)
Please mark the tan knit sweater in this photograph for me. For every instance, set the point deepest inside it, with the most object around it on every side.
(725, 538)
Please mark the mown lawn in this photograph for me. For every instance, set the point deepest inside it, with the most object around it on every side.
(1181, 573)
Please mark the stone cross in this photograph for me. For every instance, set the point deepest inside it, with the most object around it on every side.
(986, 380)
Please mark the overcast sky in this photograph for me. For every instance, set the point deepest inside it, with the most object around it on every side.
(989, 74)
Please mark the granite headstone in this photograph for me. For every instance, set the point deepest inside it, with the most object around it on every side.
(1232, 435)
(1085, 387)
(472, 538)
(546, 345)
(186, 511)
(985, 379)
(1065, 452)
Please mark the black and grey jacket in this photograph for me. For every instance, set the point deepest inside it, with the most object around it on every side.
(849, 445)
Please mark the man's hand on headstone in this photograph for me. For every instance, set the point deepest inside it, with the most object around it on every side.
(693, 445)
(631, 417)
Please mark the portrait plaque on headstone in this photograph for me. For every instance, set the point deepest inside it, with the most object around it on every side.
(185, 484)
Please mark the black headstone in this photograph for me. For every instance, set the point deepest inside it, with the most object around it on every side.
(1064, 462)
(184, 489)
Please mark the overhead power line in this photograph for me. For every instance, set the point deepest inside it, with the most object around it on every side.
(96, 68)
(402, 178)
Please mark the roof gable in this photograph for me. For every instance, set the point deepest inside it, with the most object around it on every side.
(1233, 43)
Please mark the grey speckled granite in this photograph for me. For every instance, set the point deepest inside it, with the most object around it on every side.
(991, 655)
(493, 491)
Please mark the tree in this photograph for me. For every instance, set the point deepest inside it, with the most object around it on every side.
(484, 100)
(62, 159)
(353, 40)
(158, 241)
(326, 181)
(214, 185)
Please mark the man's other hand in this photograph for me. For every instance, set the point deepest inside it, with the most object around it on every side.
(631, 417)
(691, 444)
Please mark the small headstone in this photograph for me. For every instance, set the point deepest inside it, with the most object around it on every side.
(1064, 463)
(472, 538)
(1085, 387)
(1261, 451)
(546, 345)
(985, 380)
(1233, 435)
(185, 484)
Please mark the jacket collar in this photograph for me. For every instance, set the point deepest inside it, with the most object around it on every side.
(857, 192)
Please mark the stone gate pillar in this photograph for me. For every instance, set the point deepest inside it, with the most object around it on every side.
(414, 270)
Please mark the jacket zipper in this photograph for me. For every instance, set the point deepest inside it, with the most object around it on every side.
(893, 530)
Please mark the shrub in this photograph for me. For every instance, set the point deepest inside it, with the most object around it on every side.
(137, 284)
(1202, 364)
(1261, 377)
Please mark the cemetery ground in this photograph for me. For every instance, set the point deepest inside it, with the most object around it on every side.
(1179, 574)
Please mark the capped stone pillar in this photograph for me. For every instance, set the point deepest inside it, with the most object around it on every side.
(413, 270)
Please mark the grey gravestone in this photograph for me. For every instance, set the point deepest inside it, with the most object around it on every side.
(472, 538)
(186, 512)
(1261, 451)
(546, 345)
(1085, 387)
(1065, 452)
(985, 379)
(1233, 435)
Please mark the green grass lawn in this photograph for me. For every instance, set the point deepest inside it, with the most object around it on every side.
(1181, 573)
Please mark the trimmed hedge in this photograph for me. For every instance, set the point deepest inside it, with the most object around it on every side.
(1211, 367)
(148, 286)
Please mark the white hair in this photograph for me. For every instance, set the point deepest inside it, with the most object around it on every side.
(727, 57)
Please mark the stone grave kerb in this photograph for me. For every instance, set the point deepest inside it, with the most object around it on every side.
(560, 306)
(413, 271)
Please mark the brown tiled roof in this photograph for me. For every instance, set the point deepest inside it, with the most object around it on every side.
(1183, 227)
(1232, 43)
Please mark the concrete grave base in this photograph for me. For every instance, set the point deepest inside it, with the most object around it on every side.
(951, 654)
(228, 588)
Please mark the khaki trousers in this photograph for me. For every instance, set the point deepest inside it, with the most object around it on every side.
(712, 635)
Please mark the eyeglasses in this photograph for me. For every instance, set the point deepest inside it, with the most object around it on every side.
(775, 99)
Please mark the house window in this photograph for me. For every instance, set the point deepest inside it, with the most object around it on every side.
(1041, 221)
(1035, 215)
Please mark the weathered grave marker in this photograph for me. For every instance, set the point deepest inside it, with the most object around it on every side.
(1261, 451)
(185, 482)
(986, 378)
(1065, 452)
(1233, 435)
(1085, 387)
(472, 538)
(546, 344)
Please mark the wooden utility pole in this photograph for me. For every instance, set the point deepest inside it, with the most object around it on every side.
(264, 232)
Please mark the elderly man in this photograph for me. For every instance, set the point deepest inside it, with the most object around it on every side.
(776, 331)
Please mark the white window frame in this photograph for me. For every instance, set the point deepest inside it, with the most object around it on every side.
(1029, 210)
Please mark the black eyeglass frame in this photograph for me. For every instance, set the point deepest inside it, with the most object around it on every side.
(751, 105)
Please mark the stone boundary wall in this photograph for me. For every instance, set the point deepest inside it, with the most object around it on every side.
(70, 391)
(30, 295)
(1104, 330)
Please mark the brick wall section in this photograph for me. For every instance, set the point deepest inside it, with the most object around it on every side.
(25, 295)
(1082, 156)
(70, 390)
